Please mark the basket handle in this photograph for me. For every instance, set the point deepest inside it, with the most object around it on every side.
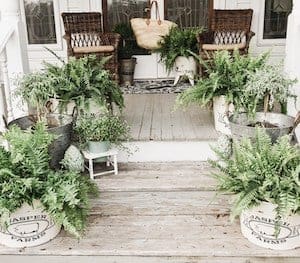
(153, 4)
(296, 122)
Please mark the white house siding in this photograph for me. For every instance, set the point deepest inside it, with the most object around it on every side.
(37, 55)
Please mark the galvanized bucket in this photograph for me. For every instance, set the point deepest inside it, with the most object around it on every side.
(58, 124)
(127, 71)
(240, 125)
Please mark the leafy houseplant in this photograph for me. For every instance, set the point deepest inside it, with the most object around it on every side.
(226, 75)
(126, 51)
(223, 84)
(98, 132)
(265, 86)
(83, 81)
(260, 172)
(179, 42)
(26, 177)
(269, 83)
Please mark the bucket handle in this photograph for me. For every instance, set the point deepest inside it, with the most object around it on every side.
(296, 122)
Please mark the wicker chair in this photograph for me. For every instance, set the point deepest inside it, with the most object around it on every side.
(228, 30)
(84, 36)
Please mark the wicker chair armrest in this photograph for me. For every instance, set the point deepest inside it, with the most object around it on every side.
(249, 36)
(114, 39)
(205, 38)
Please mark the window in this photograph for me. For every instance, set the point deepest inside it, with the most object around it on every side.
(40, 21)
(188, 13)
(118, 12)
(121, 11)
(275, 19)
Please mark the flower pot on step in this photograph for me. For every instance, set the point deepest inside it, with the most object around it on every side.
(258, 226)
(29, 226)
(99, 147)
(221, 111)
(279, 125)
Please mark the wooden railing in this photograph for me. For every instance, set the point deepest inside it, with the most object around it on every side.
(6, 32)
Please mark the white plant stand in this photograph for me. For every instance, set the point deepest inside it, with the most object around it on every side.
(111, 161)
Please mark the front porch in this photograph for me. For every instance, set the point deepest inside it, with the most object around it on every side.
(155, 213)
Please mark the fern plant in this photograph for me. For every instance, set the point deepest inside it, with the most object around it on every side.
(179, 42)
(226, 74)
(261, 171)
(84, 81)
(25, 175)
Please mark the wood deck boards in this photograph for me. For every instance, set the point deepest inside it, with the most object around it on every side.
(155, 213)
(153, 117)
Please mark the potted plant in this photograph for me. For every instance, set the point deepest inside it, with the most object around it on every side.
(126, 52)
(175, 51)
(35, 200)
(37, 89)
(264, 179)
(223, 85)
(84, 82)
(99, 133)
(266, 86)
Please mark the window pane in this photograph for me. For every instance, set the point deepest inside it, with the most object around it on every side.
(40, 21)
(121, 11)
(275, 20)
(188, 13)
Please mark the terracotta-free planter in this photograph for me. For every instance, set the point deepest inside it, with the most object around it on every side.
(98, 147)
(221, 111)
(29, 226)
(58, 124)
(239, 125)
(258, 226)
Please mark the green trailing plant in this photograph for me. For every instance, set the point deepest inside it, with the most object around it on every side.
(226, 74)
(265, 86)
(83, 81)
(102, 128)
(179, 42)
(25, 176)
(260, 171)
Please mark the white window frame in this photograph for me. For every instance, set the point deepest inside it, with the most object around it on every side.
(260, 7)
(38, 47)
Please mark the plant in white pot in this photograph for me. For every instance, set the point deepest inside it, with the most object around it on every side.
(100, 132)
(264, 179)
(265, 87)
(175, 52)
(35, 200)
(223, 85)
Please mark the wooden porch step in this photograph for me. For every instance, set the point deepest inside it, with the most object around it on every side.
(187, 176)
(155, 213)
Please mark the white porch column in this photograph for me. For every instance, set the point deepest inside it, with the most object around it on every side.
(16, 49)
(292, 60)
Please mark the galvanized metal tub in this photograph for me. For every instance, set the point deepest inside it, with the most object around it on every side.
(239, 125)
(58, 124)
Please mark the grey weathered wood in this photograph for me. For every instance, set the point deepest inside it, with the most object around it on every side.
(141, 259)
(162, 176)
(160, 203)
(152, 117)
(152, 213)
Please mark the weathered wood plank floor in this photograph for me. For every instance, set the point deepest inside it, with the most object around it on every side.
(153, 117)
(155, 213)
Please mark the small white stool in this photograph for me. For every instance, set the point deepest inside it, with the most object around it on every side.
(92, 156)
